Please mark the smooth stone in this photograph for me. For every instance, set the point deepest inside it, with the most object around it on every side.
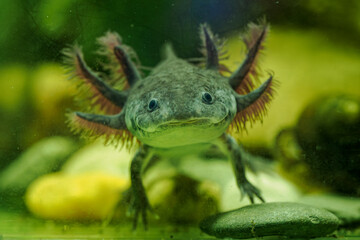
(85, 196)
(45, 156)
(346, 208)
(98, 157)
(271, 219)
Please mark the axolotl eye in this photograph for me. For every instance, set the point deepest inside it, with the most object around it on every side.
(207, 98)
(153, 104)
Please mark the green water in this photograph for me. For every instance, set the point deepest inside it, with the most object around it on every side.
(17, 226)
(14, 226)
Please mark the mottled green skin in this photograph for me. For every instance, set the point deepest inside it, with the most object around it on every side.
(182, 124)
(182, 117)
(177, 110)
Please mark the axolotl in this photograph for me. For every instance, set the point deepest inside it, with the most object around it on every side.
(178, 109)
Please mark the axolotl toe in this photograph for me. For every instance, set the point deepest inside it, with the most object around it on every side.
(176, 109)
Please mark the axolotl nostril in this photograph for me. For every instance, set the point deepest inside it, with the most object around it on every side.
(179, 105)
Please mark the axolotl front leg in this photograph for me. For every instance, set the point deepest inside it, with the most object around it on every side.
(232, 149)
(136, 195)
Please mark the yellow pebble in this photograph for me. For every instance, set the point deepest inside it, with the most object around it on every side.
(87, 196)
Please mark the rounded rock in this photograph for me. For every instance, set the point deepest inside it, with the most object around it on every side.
(271, 219)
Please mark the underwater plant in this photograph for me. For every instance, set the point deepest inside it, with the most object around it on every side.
(178, 109)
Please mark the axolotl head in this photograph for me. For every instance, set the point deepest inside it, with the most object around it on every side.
(178, 103)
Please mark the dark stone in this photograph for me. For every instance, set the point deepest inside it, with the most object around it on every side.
(346, 208)
(271, 219)
(328, 133)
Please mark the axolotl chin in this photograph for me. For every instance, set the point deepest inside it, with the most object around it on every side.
(178, 108)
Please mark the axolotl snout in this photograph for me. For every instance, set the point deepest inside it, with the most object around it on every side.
(177, 106)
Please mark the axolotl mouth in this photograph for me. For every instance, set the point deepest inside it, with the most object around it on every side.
(197, 122)
(177, 133)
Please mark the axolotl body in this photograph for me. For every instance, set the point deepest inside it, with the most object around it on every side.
(179, 108)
